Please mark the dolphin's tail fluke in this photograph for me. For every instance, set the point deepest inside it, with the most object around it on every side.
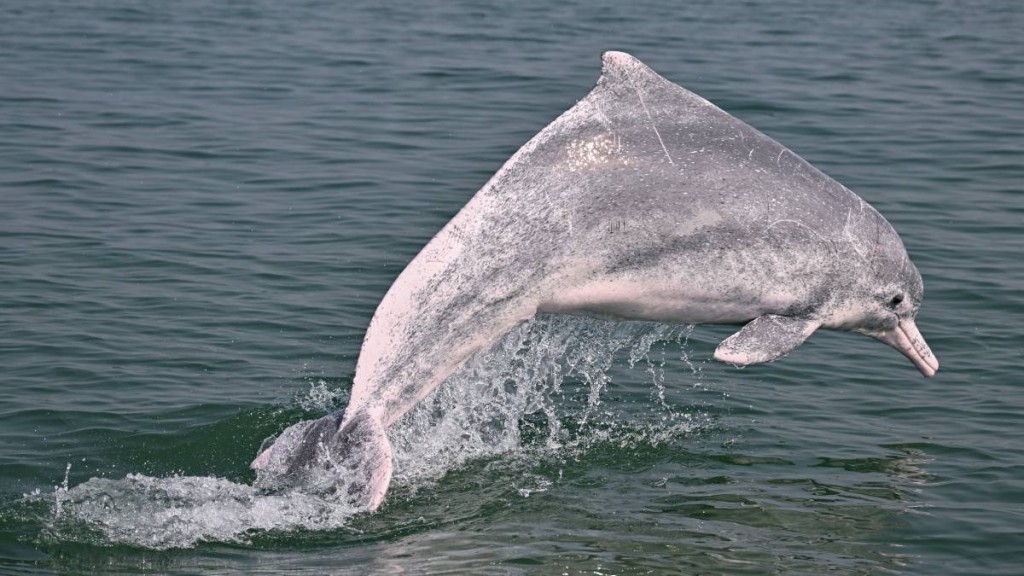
(366, 452)
(352, 460)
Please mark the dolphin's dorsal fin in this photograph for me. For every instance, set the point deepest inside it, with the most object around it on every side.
(621, 66)
(621, 71)
(624, 77)
(764, 339)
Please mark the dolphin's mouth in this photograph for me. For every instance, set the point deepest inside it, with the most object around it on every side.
(906, 338)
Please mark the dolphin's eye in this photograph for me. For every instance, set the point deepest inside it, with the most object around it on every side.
(895, 301)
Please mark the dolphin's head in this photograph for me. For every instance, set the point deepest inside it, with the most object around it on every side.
(882, 298)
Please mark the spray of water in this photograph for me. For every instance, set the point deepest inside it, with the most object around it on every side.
(555, 369)
(538, 393)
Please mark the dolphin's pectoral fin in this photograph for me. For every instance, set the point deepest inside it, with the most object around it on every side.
(764, 339)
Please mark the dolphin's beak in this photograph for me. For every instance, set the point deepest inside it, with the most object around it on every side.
(906, 338)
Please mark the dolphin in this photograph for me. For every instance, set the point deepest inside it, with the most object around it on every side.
(643, 201)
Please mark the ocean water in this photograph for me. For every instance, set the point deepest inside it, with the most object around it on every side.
(201, 205)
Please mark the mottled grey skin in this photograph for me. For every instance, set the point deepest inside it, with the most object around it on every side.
(644, 201)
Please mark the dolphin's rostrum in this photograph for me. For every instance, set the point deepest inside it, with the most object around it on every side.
(643, 201)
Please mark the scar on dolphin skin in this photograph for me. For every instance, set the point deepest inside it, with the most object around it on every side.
(718, 234)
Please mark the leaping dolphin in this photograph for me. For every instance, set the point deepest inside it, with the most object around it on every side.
(644, 201)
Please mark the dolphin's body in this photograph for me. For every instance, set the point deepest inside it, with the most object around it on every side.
(644, 202)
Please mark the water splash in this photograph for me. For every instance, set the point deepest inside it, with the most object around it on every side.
(321, 397)
(536, 394)
(60, 493)
(553, 367)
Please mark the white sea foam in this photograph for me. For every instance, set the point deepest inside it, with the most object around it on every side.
(553, 367)
(179, 511)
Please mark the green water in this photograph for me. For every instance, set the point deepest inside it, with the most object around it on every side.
(202, 204)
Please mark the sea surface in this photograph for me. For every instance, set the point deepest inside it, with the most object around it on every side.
(202, 203)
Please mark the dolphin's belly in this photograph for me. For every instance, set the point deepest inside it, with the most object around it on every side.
(649, 300)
